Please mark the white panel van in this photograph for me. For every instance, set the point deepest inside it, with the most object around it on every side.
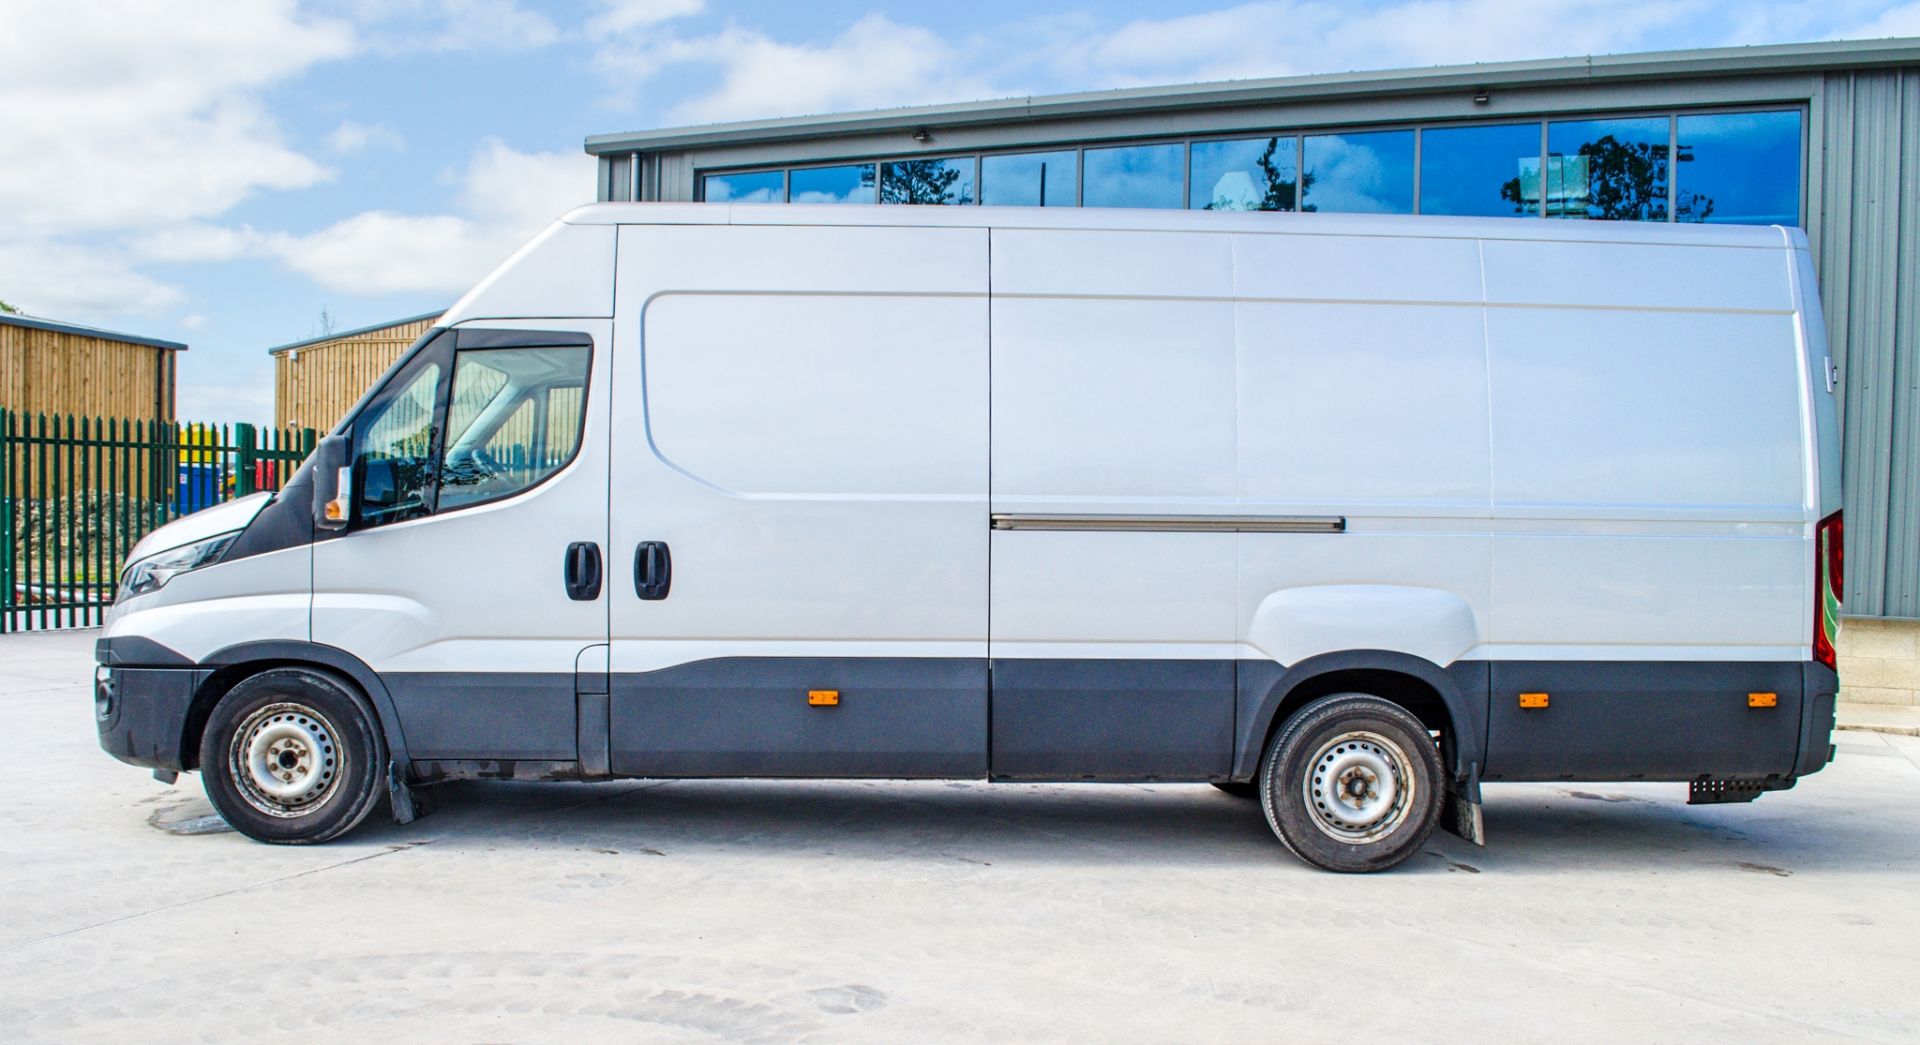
(1345, 514)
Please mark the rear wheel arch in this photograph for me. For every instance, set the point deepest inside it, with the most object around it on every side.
(1424, 689)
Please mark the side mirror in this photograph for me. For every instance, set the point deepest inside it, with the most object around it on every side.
(332, 483)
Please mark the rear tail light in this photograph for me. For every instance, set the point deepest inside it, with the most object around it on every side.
(1829, 581)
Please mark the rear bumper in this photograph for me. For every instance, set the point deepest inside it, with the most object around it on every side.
(141, 710)
(1819, 690)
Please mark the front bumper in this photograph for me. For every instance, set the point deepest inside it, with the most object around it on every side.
(141, 710)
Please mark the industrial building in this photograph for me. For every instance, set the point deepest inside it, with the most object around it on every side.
(1822, 136)
(65, 369)
(316, 381)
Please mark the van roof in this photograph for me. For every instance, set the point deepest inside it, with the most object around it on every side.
(1119, 219)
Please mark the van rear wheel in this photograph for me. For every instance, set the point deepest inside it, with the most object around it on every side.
(1352, 783)
(292, 757)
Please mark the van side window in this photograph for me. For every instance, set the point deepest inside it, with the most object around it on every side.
(394, 443)
(513, 419)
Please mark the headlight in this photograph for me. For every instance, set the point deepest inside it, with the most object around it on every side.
(153, 572)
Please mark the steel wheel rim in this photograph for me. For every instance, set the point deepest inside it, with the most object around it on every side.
(1360, 787)
(286, 760)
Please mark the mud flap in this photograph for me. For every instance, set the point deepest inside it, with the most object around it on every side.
(408, 804)
(1460, 811)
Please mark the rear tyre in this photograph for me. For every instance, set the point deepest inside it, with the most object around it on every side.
(292, 757)
(1352, 783)
(1238, 788)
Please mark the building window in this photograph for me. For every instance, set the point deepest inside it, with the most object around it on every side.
(1134, 176)
(756, 187)
(1369, 173)
(1732, 167)
(1613, 170)
(851, 184)
(1739, 168)
(1029, 179)
(1250, 174)
(1484, 171)
(944, 181)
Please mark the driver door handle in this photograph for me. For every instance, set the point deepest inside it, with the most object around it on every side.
(652, 570)
(582, 571)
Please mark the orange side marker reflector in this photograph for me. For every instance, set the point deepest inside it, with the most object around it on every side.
(1763, 700)
(823, 698)
(1533, 700)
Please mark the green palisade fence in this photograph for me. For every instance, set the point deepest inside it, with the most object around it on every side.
(76, 494)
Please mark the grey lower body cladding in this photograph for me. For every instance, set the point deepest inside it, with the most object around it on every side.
(1022, 719)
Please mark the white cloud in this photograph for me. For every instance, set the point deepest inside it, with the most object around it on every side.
(199, 241)
(620, 16)
(351, 137)
(193, 321)
(79, 283)
(505, 196)
(122, 116)
(123, 113)
(1284, 37)
(876, 61)
(411, 26)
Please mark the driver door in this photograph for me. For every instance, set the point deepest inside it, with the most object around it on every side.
(479, 494)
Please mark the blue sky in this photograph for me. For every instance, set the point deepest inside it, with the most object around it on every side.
(220, 171)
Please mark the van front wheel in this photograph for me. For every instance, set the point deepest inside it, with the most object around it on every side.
(1352, 783)
(291, 756)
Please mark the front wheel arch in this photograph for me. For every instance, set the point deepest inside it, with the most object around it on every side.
(235, 663)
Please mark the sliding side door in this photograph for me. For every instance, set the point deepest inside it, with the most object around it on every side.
(799, 516)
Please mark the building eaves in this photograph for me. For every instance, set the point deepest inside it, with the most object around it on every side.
(11, 319)
(355, 332)
(1592, 69)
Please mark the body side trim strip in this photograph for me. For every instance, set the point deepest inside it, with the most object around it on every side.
(1174, 523)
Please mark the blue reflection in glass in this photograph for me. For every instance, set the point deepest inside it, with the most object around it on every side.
(758, 187)
(1613, 170)
(1250, 174)
(1134, 176)
(1485, 171)
(852, 184)
(1369, 173)
(1739, 168)
(934, 181)
(1028, 179)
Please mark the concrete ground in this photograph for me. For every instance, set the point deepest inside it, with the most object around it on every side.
(936, 911)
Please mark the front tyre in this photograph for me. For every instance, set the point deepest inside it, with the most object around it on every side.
(1352, 783)
(292, 756)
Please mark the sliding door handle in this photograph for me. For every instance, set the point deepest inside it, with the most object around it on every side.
(652, 570)
(583, 571)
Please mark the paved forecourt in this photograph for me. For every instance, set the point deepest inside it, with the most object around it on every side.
(782, 911)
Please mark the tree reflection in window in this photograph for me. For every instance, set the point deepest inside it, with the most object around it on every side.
(1619, 171)
(938, 181)
(1231, 175)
